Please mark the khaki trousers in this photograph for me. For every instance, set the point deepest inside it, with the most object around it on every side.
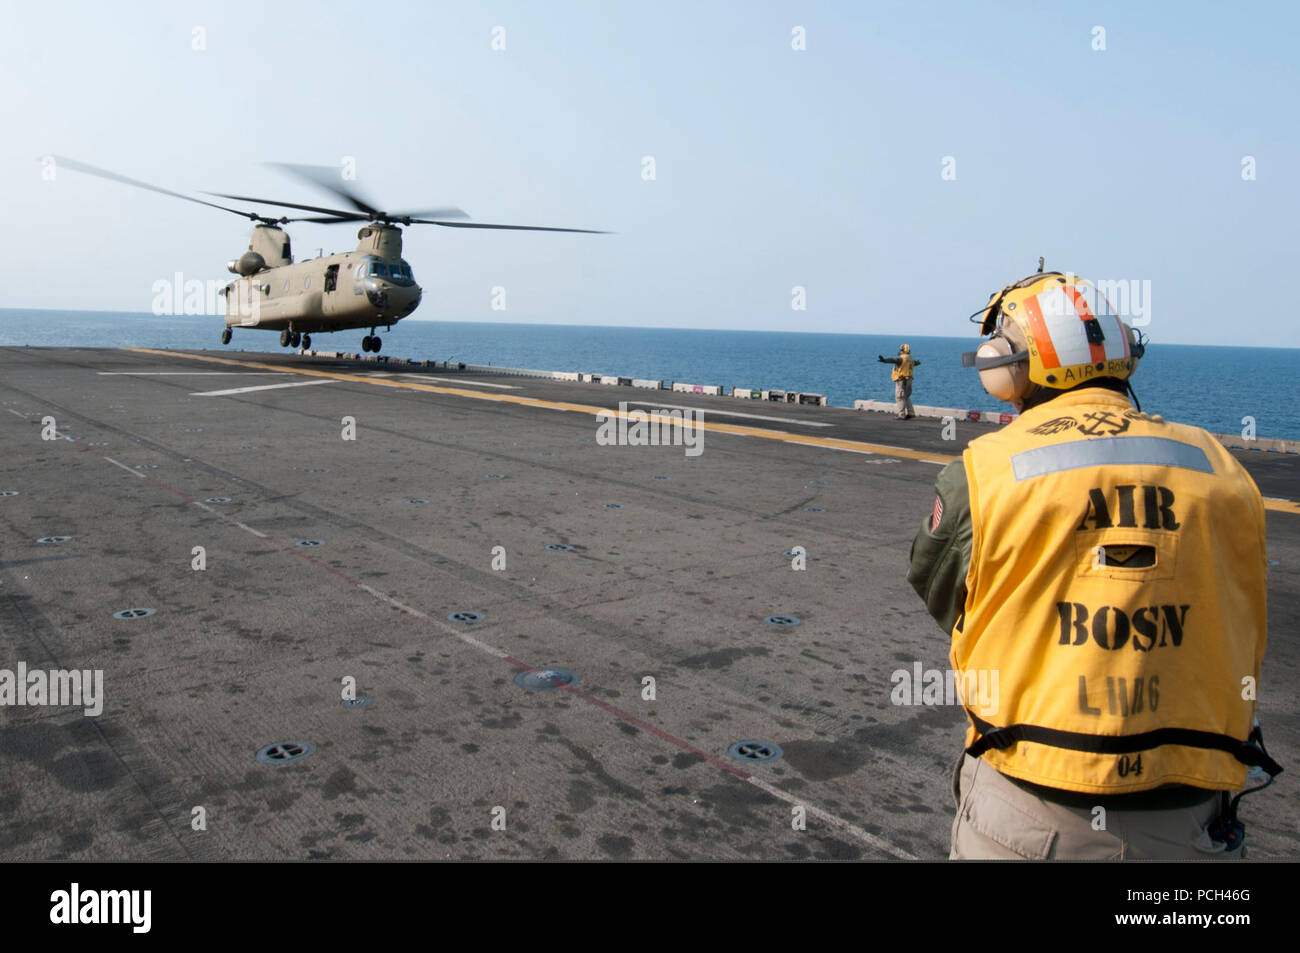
(998, 820)
(903, 397)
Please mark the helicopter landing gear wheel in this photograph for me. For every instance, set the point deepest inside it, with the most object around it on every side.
(285, 338)
(225, 335)
(365, 344)
(306, 342)
(294, 340)
(376, 343)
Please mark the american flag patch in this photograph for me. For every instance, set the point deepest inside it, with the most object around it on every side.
(937, 515)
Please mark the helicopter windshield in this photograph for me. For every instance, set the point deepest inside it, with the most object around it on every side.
(400, 272)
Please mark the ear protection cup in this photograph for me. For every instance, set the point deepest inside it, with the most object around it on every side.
(1009, 382)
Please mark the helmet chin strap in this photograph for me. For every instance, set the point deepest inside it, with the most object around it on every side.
(1136, 403)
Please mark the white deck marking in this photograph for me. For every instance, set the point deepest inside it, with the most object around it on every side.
(249, 390)
(135, 473)
(847, 827)
(452, 380)
(709, 411)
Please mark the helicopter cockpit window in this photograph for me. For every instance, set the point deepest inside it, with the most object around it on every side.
(401, 272)
(378, 269)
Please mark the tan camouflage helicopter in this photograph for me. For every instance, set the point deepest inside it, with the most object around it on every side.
(370, 287)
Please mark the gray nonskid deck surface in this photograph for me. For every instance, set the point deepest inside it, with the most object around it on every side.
(674, 584)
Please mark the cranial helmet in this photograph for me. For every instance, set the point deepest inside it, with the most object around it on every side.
(904, 349)
(1053, 331)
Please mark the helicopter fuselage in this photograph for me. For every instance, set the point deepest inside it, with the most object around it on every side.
(366, 288)
(370, 287)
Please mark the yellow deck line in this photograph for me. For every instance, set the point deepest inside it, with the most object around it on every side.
(763, 433)
(736, 429)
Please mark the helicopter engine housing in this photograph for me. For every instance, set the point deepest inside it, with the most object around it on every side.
(247, 264)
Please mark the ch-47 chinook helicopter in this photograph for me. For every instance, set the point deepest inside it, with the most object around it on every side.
(370, 287)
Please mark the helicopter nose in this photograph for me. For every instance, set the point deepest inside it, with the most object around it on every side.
(412, 296)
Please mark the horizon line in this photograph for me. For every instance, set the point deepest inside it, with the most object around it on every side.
(632, 327)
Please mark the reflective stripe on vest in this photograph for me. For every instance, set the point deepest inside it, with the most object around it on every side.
(1102, 451)
(1117, 591)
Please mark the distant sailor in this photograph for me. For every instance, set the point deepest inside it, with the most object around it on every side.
(1109, 566)
(902, 377)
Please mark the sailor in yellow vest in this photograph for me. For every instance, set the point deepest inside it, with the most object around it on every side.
(902, 377)
(1109, 567)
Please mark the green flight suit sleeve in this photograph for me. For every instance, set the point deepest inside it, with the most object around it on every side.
(940, 557)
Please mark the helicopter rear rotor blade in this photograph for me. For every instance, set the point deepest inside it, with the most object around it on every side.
(333, 219)
(338, 214)
(88, 169)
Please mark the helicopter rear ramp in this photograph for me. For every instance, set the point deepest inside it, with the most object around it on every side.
(559, 648)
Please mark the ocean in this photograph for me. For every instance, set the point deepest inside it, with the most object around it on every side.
(1212, 387)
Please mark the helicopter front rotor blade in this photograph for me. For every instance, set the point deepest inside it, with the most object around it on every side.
(516, 228)
(327, 178)
(451, 212)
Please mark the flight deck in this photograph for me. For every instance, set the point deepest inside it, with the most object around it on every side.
(368, 610)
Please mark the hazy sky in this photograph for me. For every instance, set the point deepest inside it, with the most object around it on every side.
(774, 167)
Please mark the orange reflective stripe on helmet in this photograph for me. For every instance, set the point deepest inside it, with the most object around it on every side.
(1042, 339)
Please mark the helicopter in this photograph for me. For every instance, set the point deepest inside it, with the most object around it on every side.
(370, 287)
